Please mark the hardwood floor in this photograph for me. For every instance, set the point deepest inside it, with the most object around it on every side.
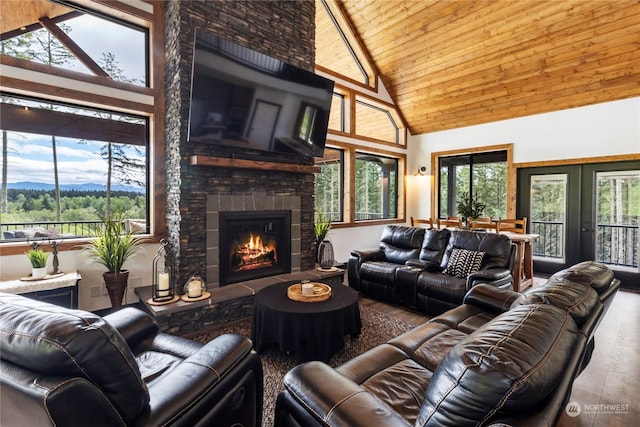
(608, 390)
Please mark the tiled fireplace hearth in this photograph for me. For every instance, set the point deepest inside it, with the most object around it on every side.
(255, 202)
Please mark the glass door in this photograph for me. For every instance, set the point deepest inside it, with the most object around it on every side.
(584, 212)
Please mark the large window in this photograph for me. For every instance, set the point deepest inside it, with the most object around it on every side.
(64, 165)
(75, 116)
(329, 184)
(376, 187)
(482, 175)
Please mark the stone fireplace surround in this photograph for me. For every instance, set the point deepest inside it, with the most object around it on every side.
(286, 30)
(255, 202)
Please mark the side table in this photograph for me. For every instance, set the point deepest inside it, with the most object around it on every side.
(61, 290)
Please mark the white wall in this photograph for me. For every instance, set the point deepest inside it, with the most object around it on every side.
(607, 129)
(17, 266)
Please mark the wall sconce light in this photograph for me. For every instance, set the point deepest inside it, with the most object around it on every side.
(422, 171)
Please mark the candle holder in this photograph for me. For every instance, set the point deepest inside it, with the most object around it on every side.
(163, 276)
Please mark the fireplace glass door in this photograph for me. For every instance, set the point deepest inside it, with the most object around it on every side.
(254, 245)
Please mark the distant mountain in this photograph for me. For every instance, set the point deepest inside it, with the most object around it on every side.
(27, 185)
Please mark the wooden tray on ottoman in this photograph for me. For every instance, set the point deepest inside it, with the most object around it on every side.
(321, 292)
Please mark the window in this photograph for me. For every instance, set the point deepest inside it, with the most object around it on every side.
(376, 187)
(376, 122)
(482, 174)
(75, 40)
(75, 145)
(66, 164)
(329, 184)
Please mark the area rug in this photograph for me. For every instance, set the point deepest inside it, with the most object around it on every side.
(377, 328)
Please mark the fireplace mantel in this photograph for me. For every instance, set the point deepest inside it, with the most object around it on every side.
(252, 164)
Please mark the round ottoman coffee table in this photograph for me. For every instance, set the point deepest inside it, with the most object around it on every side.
(306, 330)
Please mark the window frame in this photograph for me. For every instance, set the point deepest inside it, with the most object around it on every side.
(511, 174)
(52, 83)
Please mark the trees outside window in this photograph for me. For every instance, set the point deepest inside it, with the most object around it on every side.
(482, 175)
(329, 185)
(376, 187)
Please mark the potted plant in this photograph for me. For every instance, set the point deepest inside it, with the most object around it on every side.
(469, 207)
(322, 225)
(38, 259)
(111, 247)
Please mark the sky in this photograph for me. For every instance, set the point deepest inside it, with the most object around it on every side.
(30, 155)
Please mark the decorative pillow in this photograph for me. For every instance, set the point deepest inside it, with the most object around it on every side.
(463, 262)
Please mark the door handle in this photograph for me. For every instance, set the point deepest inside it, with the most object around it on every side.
(585, 229)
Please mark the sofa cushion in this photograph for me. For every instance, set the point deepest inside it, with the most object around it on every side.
(473, 383)
(574, 298)
(434, 245)
(588, 273)
(400, 244)
(64, 342)
(463, 262)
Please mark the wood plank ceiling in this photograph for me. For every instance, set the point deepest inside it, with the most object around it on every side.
(450, 64)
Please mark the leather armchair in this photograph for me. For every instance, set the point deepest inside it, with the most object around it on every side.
(74, 368)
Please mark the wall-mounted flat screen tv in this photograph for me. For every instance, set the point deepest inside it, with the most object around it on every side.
(245, 99)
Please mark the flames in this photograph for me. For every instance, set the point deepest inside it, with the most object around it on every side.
(254, 254)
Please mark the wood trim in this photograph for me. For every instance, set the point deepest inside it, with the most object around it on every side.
(73, 75)
(579, 161)
(224, 162)
(156, 76)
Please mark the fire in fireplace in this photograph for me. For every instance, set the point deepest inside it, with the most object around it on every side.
(254, 244)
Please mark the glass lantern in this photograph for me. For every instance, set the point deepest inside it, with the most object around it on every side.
(163, 278)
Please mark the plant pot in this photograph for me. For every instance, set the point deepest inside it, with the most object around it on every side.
(38, 273)
(116, 286)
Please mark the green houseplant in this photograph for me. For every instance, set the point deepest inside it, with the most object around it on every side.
(322, 225)
(38, 259)
(469, 207)
(111, 247)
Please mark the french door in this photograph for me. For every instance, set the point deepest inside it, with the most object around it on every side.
(584, 212)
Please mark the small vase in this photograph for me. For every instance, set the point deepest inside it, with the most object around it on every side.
(38, 273)
(325, 255)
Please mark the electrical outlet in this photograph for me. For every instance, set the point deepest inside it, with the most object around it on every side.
(104, 290)
(95, 291)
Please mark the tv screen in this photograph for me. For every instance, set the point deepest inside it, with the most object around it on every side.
(244, 99)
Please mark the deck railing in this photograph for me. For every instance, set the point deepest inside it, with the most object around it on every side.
(615, 244)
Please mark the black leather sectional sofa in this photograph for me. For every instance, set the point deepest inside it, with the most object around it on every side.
(431, 269)
(500, 359)
(73, 368)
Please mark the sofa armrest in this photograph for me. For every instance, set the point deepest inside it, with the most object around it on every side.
(358, 256)
(493, 276)
(134, 325)
(491, 298)
(329, 398)
(365, 255)
(200, 383)
(424, 265)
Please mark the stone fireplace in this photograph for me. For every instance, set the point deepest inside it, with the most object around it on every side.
(235, 224)
(195, 195)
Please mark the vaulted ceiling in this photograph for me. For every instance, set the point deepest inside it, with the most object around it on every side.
(450, 64)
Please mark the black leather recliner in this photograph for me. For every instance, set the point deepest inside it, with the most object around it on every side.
(410, 266)
(69, 367)
(501, 358)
